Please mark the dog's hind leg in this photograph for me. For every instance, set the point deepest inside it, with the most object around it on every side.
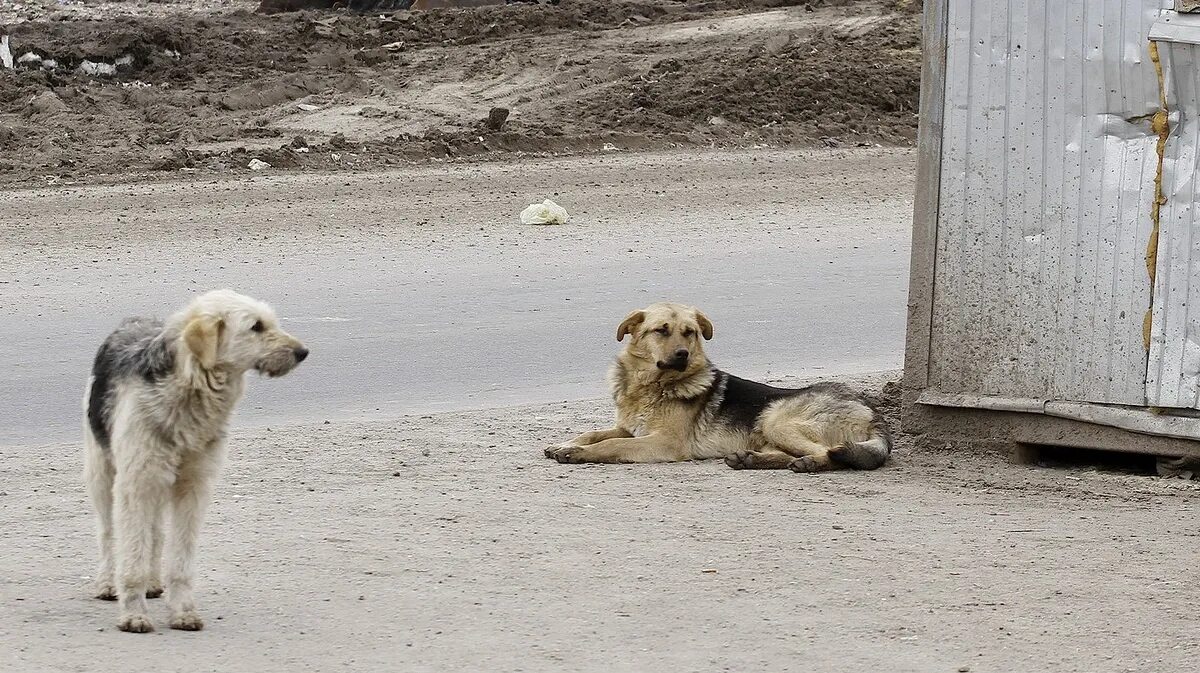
(189, 499)
(140, 490)
(98, 475)
(801, 441)
(764, 458)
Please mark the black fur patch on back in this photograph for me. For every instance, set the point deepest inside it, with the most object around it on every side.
(137, 348)
(744, 400)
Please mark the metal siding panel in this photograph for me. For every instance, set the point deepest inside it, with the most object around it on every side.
(1175, 340)
(1044, 212)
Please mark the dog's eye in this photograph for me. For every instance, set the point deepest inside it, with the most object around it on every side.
(257, 326)
(664, 330)
(688, 332)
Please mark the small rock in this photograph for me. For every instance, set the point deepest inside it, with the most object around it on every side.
(297, 142)
(258, 165)
(338, 140)
(776, 43)
(497, 117)
(424, 452)
(46, 102)
(395, 474)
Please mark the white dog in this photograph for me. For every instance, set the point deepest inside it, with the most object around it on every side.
(156, 412)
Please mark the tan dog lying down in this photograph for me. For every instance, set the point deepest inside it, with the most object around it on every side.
(673, 405)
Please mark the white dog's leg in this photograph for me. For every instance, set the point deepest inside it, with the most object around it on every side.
(141, 492)
(155, 588)
(190, 498)
(98, 475)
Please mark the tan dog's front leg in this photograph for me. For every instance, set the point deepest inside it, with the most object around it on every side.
(648, 449)
(589, 438)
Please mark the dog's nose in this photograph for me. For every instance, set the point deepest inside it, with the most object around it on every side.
(681, 354)
(300, 353)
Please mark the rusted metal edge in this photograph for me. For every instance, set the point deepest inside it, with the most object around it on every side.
(1161, 126)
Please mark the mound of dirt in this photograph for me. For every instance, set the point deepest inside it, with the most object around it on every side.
(826, 85)
(211, 89)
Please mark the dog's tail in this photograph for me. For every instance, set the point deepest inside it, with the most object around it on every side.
(866, 455)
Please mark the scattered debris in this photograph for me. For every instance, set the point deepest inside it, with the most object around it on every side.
(308, 107)
(609, 147)
(6, 57)
(546, 212)
(258, 165)
(102, 69)
(393, 46)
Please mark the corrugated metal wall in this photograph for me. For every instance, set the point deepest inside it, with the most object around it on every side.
(1048, 163)
(1174, 373)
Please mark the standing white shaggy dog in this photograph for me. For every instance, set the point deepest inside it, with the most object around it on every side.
(156, 412)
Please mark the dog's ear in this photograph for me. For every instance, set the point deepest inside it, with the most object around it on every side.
(705, 325)
(630, 323)
(203, 337)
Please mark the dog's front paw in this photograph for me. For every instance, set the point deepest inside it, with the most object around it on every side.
(105, 590)
(135, 624)
(187, 621)
(567, 453)
(154, 590)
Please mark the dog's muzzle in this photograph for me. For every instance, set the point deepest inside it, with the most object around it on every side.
(282, 361)
(677, 363)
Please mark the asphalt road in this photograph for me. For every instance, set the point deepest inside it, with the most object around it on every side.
(418, 291)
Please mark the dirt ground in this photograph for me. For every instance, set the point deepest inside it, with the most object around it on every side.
(448, 542)
(108, 88)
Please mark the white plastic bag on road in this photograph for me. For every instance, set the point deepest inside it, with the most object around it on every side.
(546, 212)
